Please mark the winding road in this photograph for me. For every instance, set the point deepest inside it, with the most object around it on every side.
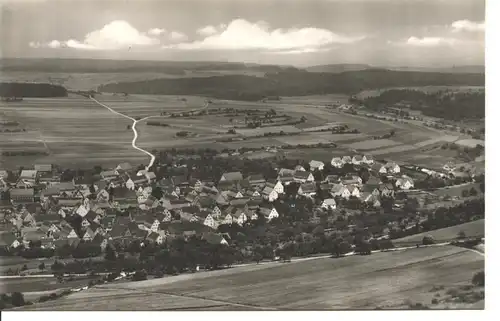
(133, 128)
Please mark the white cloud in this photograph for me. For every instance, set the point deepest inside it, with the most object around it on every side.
(156, 31)
(207, 31)
(117, 34)
(430, 41)
(177, 36)
(243, 35)
(467, 25)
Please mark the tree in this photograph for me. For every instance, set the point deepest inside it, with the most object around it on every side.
(473, 191)
(465, 193)
(110, 253)
(157, 192)
(41, 267)
(461, 235)
(57, 266)
(478, 279)
(257, 257)
(17, 299)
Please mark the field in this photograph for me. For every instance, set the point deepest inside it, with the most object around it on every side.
(471, 229)
(387, 280)
(76, 132)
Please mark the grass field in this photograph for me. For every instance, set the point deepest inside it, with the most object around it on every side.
(75, 132)
(387, 280)
(471, 229)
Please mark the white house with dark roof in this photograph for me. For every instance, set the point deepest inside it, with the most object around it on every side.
(303, 176)
(316, 165)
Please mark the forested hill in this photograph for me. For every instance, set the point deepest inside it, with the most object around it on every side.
(12, 89)
(292, 83)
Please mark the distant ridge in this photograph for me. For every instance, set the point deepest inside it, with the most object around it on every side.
(339, 68)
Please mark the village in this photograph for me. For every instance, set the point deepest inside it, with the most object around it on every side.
(126, 203)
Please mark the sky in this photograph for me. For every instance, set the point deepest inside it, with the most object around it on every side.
(423, 33)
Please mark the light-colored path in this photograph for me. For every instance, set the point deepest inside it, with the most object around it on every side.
(152, 157)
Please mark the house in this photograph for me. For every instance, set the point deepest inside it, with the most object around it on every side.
(28, 176)
(352, 180)
(340, 191)
(43, 168)
(151, 177)
(22, 195)
(379, 168)
(299, 168)
(386, 190)
(135, 181)
(307, 189)
(353, 191)
(101, 241)
(9, 240)
(121, 194)
(269, 194)
(316, 165)
(449, 167)
(269, 213)
(303, 176)
(231, 177)
(123, 167)
(285, 172)
(214, 238)
(392, 167)
(404, 183)
(357, 159)
(147, 222)
(373, 200)
(216, 212)
(207, 219)
(48, 178)
(337, 162)
(234, 215)
(256, 180)
(155, 237)
(346, 159)
(329, 203)
(286, 179)
(108, 175)
(69, 203)
(368, 159)
(277, 185)
(332, 179)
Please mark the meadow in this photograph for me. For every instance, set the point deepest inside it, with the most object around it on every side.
(471, 229)
(76, 132)
(387, 280)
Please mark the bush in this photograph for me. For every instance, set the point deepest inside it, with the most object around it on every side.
(434, 301)
(140, 275)
(427, 240)
(17, 299)
(478, 279)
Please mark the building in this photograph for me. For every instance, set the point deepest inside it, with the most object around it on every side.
(22, 195)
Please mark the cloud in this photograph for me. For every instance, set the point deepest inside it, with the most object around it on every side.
(468, 26)
(115, 35)
(207, 31)
(177, 36)
(156, 31)
(243, 35)
(430, 41)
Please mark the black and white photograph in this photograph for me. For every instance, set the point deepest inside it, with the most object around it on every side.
(242, 155)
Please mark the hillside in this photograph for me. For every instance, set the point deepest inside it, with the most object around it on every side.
(12, 89)
(338, 68)
(129, 66)
(291, 83)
